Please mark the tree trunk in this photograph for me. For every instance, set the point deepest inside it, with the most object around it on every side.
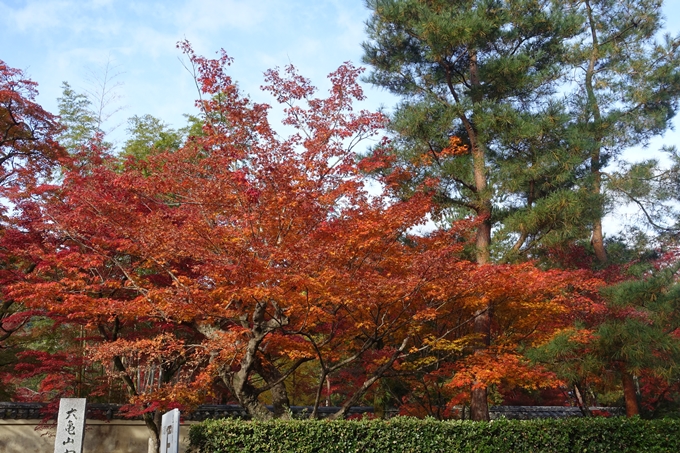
(319, 390)
(238, 381)
(593, 109)
(598, 241)
(272, 375)
(152, 421)
(479, 407)
(629, 394)
(247, 397)
(153, 425)
(585, 410)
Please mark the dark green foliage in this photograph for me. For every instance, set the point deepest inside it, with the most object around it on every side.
(627, 90)
(424, 436)
(644, 334)
(548, 92)
(628, 79)
(485, 72)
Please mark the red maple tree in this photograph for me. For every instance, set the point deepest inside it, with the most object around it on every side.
(28, 155)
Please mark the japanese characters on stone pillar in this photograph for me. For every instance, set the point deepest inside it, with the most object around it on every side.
(70, 426)
(170, 432)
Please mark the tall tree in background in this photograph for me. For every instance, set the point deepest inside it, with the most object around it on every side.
(477, 79)
(86, 115)
(628, 89)
(78, 119)
(149, 135)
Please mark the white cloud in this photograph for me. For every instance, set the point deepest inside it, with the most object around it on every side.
(36, 16)
(216, 15)
(351, 22)
(43, 19)
(149, 41)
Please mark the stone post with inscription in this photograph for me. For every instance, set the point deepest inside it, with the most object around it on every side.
(70, 426)
(170, 432)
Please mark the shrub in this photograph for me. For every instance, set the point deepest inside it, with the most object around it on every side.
(404, 434)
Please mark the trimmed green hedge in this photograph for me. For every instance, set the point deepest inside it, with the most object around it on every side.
(405, 434)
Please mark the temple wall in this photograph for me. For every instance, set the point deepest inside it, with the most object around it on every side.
(116, 436)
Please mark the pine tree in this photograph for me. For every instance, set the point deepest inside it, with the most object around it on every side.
(628, 85)
(478, 79)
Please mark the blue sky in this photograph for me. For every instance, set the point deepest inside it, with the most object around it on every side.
(69, 40)
(66, 40)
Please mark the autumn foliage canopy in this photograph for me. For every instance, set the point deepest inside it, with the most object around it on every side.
(257, 268)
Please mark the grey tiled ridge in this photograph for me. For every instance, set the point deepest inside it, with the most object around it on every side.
(37, 411)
